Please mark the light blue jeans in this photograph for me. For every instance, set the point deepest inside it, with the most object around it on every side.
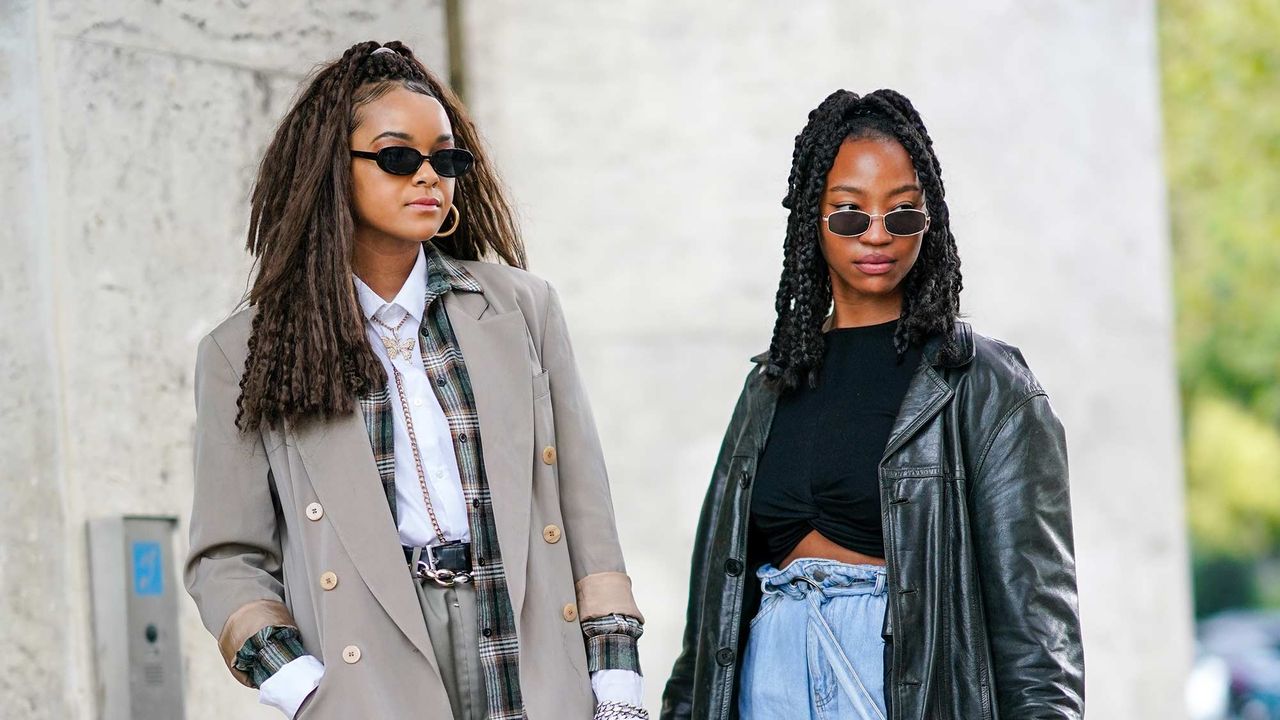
(816, 644)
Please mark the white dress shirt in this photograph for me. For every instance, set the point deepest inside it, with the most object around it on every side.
(435, 441)
(290, 686)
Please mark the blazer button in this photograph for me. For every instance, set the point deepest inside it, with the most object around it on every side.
(351, 654)
(570, 612)
(549, 455)
(733, 566)
(724, 656)
(551, 534)
(329, 580)
(315, 511)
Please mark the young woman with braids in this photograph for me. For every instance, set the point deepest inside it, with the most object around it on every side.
(895, 483)
(400, 509)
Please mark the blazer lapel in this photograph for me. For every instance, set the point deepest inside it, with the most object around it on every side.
(340, 465)
(497, 352)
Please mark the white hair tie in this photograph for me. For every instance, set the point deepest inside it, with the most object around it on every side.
(382, 50)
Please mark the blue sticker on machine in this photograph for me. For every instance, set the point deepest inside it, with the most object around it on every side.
(148, 569)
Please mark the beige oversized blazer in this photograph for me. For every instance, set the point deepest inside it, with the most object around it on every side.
(276, 509)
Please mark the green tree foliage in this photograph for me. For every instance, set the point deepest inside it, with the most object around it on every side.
(1221, 83)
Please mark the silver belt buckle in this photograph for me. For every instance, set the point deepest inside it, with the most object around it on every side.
(444, 578)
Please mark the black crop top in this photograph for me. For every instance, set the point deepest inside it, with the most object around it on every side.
(820, 467)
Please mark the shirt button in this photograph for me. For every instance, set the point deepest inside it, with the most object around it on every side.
(315, 511)
(441, 382)
(462, 437)
(329, 580)
(548, 455)
(480, 561)
(351, 654)
(724, 656)
(733, 566)
(551, 534)
(417, 402)
(475, 502)
(487, 632)
(570, 612)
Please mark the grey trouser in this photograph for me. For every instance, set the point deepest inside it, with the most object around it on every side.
(450, 613)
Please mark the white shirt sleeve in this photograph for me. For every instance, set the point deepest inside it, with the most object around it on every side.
(623, 686)
(291, 684)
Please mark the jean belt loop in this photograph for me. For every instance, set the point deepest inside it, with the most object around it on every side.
(881, 578)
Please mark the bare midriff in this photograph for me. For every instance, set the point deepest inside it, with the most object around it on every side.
(817, 545)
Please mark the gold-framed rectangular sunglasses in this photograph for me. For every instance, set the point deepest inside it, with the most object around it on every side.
(903, 222)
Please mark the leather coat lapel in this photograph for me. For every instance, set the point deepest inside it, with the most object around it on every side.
(497, 353)
(340, 465)
(926, 395)
(929, 392)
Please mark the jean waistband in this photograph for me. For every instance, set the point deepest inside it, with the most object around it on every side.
(830, 577)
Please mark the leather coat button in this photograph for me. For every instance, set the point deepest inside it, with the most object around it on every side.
(351, 654)
(733, 566)
(744, 478)
(551, 534)
(549, 455)
(724, 656)
(329, 580)
(315, 511)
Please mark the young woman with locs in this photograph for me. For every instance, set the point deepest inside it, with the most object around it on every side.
(888, 529)
(401, 509)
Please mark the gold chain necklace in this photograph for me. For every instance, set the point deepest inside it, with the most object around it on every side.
(394, 347)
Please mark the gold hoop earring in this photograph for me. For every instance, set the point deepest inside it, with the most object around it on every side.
(457, 220)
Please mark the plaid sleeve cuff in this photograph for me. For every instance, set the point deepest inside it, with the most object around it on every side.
(611, 642)
(268, 650)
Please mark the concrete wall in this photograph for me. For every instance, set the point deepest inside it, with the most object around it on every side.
(648, 144)
(132, 131)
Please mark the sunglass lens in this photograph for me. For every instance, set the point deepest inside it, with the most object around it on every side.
(905, 222)
(451, 162)
(400, 160)
(848, 223)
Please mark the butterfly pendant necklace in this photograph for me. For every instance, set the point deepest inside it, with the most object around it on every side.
(394, 345)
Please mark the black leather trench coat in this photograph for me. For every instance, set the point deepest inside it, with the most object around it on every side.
(982, 619)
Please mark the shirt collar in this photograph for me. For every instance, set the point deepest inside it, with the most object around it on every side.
(411, 298)
(433, 274)
(443, 271)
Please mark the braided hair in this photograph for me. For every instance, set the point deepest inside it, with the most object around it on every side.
(931, 290)
(308, 354)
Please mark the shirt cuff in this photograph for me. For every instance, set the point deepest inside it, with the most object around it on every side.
(268, 650)
(611, 642)
(291, 684)
(622, 686)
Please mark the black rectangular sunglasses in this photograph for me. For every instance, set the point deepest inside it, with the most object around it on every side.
(402, 160)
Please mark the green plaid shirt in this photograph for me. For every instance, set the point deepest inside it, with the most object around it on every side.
(610, 640)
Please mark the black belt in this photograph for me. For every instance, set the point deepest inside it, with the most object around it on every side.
(447, 564)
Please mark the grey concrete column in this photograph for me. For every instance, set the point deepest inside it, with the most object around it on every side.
(34, 603)
(132, 133)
